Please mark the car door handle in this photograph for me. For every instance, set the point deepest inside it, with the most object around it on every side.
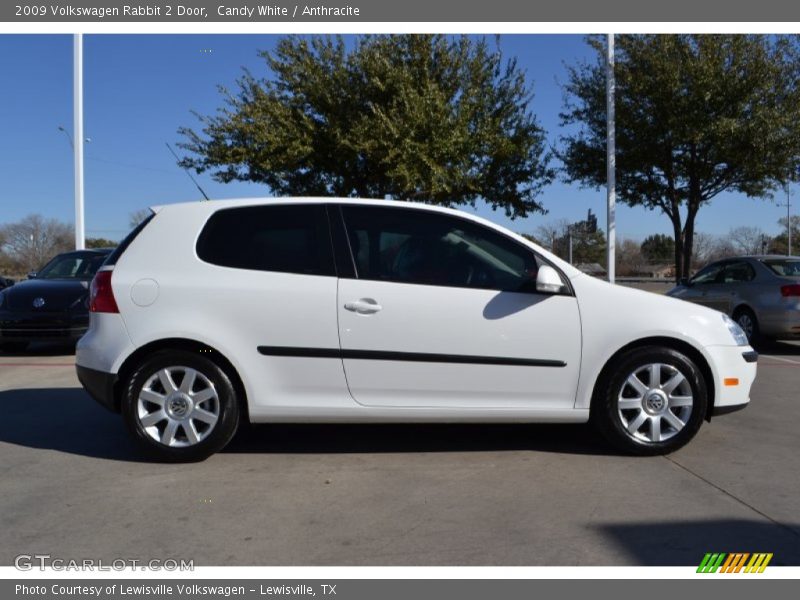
(363, 306)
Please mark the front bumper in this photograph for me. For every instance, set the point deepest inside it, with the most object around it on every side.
(100, 386)
(42, 327)
(734, 370)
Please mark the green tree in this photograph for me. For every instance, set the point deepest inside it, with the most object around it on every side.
(412, 117)
(780, 243)
(100, 243)
(658, 248)
(696, 115)
(588, 246)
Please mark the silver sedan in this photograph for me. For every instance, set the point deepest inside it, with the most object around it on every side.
(761, 293)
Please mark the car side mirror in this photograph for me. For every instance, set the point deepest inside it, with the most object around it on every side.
(684, 281)
(548, 281)
(32, 274)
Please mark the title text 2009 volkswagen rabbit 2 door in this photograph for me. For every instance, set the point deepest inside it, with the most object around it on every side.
(364, 310)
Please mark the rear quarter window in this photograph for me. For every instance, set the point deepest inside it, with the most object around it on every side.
(123, 245)
(784, 268)
(284, 238)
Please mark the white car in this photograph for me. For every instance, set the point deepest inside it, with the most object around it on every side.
(328, 310)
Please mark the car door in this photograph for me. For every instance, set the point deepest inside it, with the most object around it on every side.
(735, 285)
(443, 312)
(706, 287)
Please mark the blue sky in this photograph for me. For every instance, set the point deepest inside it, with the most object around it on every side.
(138, 89)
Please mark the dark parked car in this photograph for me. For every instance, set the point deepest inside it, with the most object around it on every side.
(761, 293)
(53, 304)
(5, 282)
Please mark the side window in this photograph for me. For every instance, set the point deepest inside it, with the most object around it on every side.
(90, 266)
(415, 246)
(738, 272)
(284, 238)
(708, 275)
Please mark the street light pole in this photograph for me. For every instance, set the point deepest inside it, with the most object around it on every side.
(77, 92)
(569, 235)
(611, 191)
(788, 222)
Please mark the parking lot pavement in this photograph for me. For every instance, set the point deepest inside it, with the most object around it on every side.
(72, 486)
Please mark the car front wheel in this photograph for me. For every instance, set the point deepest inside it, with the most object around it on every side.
(749, 324)
(180, 407)
(652, 401)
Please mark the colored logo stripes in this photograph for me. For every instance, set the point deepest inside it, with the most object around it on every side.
(735, 562)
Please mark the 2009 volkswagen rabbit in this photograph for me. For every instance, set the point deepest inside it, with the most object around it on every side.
(365, 310)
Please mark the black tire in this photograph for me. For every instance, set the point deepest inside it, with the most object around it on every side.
(747, 320)
(214, 438)
(13, 346)
(613, 422)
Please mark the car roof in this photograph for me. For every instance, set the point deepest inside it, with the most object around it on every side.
(771, 257)
(757, 257)
(260, 201)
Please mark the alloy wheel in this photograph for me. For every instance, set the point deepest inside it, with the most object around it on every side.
(655, 402)
(745, 321)
(178, 406)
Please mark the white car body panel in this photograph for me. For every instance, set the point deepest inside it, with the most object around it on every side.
(236, 311)
(465, 323)
(615, 316)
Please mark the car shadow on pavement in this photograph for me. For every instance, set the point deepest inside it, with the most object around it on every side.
(684, 543)
(68, 420)
(777, 347)
(41, 349)
(64, 420)
(416, 437)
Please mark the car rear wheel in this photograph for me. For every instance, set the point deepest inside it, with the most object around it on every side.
(180, 407)
(652, 401)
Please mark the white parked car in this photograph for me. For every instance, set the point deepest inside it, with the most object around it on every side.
(301, 310)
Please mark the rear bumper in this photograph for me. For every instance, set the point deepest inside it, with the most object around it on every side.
(783, 324)
(100, 386)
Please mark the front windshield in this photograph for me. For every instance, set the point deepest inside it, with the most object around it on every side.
(72, 266)
(785, 267)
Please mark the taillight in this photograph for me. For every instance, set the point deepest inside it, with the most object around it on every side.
(790, 290)
(101, 298)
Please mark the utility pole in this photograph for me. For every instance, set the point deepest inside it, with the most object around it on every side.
(788, 206)
(788, 222)
(569, 236)
(611, 190)
(77, 90)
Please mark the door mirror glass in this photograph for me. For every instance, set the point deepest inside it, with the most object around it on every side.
(32, 275)
(548, 281)
(684, 281)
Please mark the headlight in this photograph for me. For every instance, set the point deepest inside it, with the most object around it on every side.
(739, 336)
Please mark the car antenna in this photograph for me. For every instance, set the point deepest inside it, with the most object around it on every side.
(194, 181)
